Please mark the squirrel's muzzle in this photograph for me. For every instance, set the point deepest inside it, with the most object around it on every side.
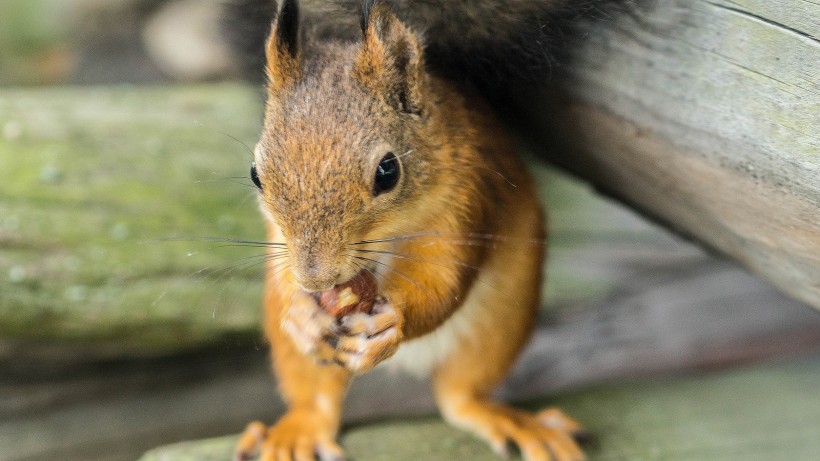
(317, 277)
(315, 270)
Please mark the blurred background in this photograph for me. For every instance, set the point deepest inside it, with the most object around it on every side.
(118, 41)
(127, 321)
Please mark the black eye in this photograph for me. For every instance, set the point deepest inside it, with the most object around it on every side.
(387, 174)
(255, 177)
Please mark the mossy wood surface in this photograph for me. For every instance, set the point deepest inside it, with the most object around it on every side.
(108, 197)
(705, 115)
(105, 197)
(760, 413)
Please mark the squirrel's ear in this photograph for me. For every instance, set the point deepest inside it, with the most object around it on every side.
(281, 49)
(391, 61)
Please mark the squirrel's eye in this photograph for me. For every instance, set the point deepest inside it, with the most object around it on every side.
(387, 174)
(255, 177)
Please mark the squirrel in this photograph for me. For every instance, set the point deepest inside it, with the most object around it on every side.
(370, 164)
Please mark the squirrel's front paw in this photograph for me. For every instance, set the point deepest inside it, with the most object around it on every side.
(365, 340)
(310, 328)
(298, 436)
(356, 341)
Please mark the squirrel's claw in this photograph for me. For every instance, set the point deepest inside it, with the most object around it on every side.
(546, 436)
(250, 442)
(296, 437)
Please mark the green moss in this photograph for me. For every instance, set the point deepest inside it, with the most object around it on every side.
(105, 195)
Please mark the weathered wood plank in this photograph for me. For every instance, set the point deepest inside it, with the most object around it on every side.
(706, 116)
(760, 414)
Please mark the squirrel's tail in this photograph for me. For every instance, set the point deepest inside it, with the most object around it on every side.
(490, 44)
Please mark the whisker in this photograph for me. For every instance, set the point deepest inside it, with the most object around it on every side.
(393, 269)
(233, 179)
(261, 275)
(217, 273)
(466, 235)
(363, 267)
(235, 242)
(411, 258)
(264, 260)
(247, 245)
(498, 173)
(247, 148)
(223, 272)
(372, 270)
(489, 244)
(439, 263)
(277, 268)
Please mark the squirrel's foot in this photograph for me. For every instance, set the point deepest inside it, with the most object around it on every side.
(357, 341)
(546, 436)
(298, 436)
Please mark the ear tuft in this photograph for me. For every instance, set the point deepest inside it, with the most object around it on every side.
(391, 61)
(364, 19)
(287, 32)
(282, 48)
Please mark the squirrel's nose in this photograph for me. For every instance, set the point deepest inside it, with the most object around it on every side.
(317, 277)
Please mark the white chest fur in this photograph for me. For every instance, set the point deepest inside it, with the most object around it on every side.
(421, 355)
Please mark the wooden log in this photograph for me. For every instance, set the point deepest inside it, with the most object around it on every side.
(704, 115)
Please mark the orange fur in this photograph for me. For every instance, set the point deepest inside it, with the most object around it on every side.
(457, 246)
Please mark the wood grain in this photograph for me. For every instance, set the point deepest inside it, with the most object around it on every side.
(704, 115)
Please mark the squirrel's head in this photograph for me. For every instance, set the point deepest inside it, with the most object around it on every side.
(348, 145)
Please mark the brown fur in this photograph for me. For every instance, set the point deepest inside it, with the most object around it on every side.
(467, 256)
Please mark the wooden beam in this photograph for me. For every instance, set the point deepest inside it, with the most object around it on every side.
(706, 116)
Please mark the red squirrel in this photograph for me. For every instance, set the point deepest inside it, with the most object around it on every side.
(398, 194)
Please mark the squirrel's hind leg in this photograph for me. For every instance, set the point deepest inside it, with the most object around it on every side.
(502, 307)
(463, 385)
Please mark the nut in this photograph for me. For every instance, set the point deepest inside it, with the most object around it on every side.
(356, 295)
